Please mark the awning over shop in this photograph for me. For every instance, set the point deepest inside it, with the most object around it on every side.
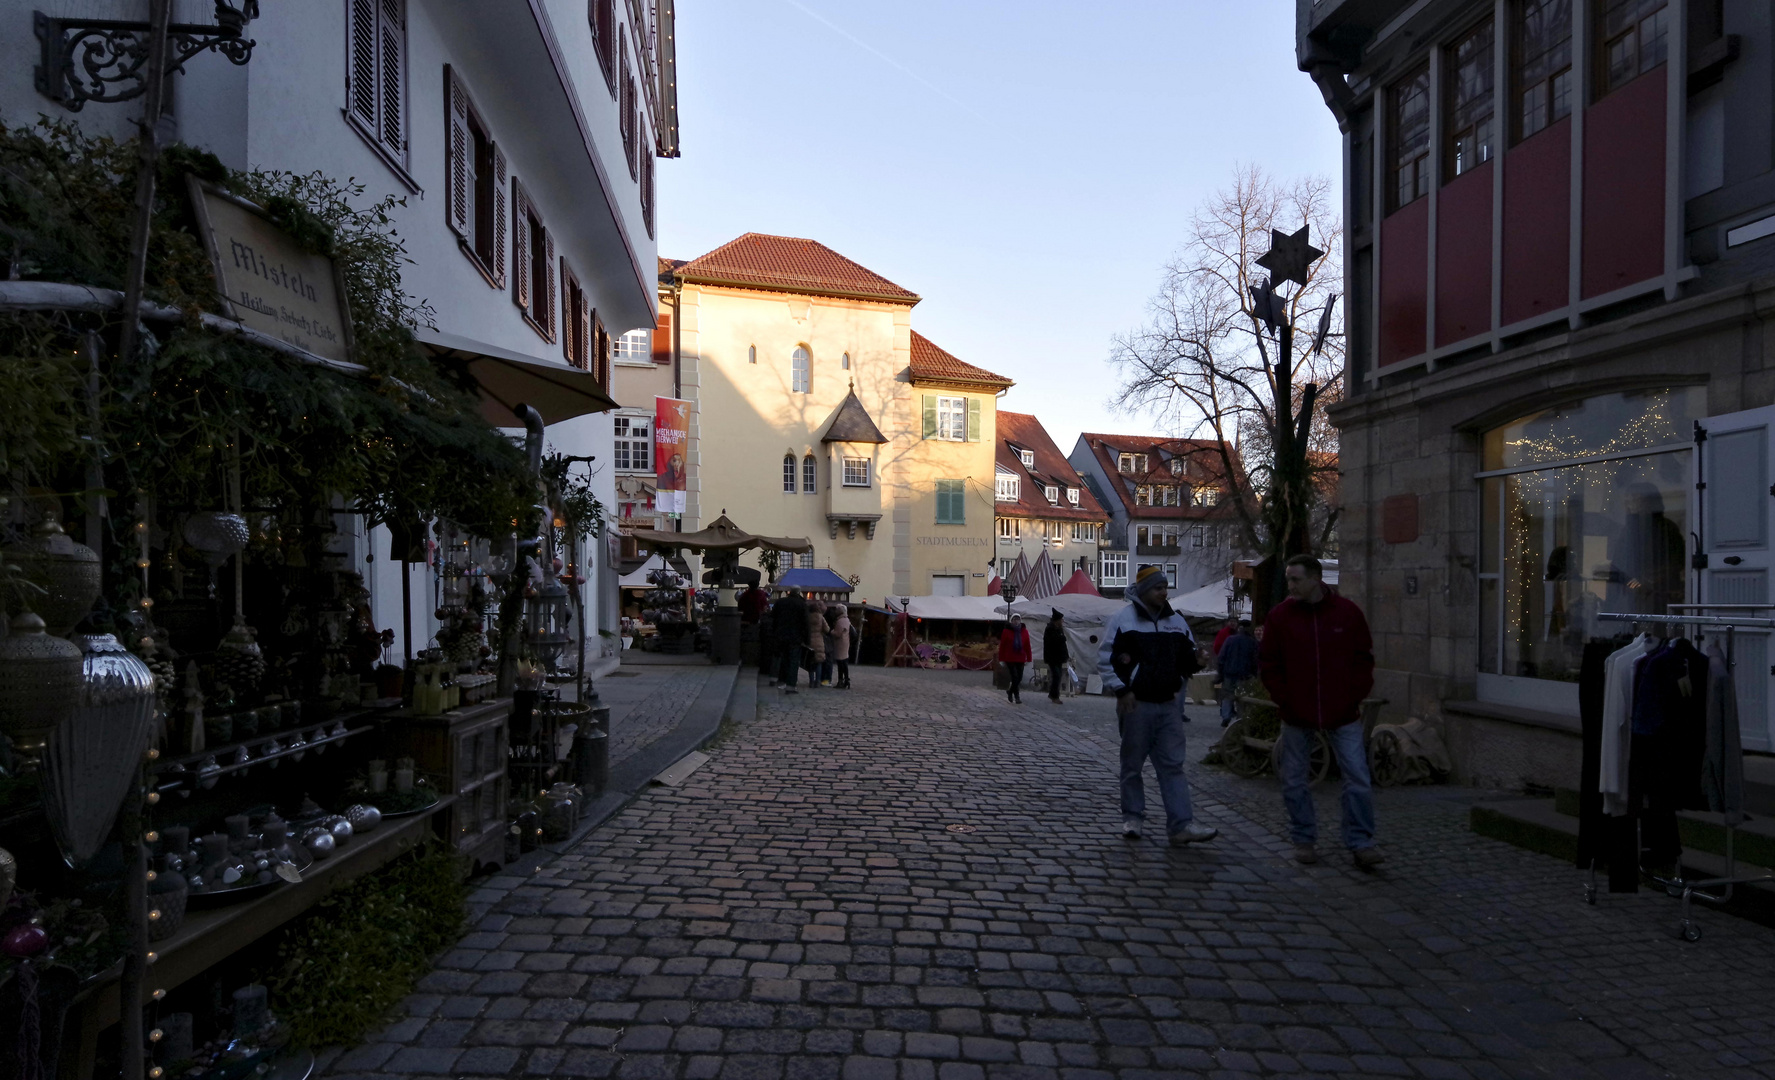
(721, 535)
(818, 578)
(508, 379)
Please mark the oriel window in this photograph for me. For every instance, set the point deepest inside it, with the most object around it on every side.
(1471, 129)
(1633, 37)
(1408, 139)
(1542, 72)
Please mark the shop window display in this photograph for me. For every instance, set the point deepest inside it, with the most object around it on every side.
(1583, 509)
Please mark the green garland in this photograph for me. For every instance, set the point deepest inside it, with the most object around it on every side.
(357, 953)
(409, 439)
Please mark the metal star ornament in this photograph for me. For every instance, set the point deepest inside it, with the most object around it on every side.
(1290, 257)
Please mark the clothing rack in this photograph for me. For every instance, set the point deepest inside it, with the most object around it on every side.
(1681, 887)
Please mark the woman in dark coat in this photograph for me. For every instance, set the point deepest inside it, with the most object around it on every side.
(1054, 654)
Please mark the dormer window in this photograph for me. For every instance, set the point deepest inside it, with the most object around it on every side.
(1009, 488)
(1052, 492)
(1176, 466)
(1072, 495)
(1125, 463)
(1027, 457)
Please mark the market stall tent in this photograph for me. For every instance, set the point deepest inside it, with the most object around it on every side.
(1079, 584)
(638, 577)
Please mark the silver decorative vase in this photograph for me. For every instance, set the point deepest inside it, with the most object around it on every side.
(39, 677)
(67, 570)
(94, 757)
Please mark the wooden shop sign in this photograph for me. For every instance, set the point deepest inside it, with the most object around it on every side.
(269, 283)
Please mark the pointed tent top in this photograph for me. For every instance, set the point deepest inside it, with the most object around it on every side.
(851, 423)
(1079, 585)
(721, 535)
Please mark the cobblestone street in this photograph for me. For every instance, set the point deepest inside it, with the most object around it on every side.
(917, 880)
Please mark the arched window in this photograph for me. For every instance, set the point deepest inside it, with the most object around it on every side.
(800, 370)
(846, 364)
(789, 473)
(751, 354)
(810, 475)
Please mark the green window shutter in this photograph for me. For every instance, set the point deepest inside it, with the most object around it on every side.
(930, 416)
(973, 419)
(951, 505)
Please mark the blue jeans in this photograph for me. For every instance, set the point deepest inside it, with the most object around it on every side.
(1229, 699)
(1155, 730)
(1358, 798)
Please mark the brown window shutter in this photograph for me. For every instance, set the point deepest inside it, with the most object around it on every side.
(394, 36)
(521, 249)
(457, 148)
(567, 306)
(548, 320)
(600, 350)
(662, 338)
(582, 330)
(499, 218)
(363, 61)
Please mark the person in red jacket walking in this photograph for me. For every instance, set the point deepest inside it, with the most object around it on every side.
(1013, 653)
(1317, 661)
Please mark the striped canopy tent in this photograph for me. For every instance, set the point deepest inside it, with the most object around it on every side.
(1043, 579)
(1019, 571)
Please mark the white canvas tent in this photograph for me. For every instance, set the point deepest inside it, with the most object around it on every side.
(637, 578)
(1210, 601)
(1083, 618)
(978, 608)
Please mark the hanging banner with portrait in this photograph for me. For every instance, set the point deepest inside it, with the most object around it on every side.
(671, 441)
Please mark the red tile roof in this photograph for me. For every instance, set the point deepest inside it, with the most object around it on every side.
(789, 264)
(932, 365)
(1201, 467)
(1021, 431)
(668, 268)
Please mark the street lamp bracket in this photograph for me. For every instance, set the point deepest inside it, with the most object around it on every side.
(105, 60)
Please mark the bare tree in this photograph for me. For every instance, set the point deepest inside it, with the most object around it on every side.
(1207, 366)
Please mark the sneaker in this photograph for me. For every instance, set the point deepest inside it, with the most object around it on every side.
(1306, 854)
(1368, 858)
(1193, 833)
(1131, 828)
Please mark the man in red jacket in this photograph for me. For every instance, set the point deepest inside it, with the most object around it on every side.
(1317, 661)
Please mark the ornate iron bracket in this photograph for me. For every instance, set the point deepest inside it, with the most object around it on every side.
(103, 60)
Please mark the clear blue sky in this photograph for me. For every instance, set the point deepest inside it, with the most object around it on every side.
(1026, 167)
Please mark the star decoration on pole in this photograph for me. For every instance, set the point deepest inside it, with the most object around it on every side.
(1290, 256)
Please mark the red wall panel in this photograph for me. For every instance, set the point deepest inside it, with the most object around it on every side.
(1537, 224)
(1463, 255)
(1405, 265)
(1624, 186)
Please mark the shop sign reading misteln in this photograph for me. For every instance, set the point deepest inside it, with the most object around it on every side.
(267, 281)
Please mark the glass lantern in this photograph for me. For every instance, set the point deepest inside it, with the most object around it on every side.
(546, 620)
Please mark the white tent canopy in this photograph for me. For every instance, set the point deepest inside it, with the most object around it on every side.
(978, 608)
(637, 578)
(1210, 601)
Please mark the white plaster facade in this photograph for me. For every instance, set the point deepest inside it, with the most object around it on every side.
(536, 81)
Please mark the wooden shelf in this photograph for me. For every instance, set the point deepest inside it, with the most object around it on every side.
(208, 937)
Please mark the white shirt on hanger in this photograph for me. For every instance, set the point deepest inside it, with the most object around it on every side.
(1617, 723)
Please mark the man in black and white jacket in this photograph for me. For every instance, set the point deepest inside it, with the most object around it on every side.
(1146, 655)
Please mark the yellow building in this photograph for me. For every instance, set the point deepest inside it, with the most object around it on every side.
(819, 412)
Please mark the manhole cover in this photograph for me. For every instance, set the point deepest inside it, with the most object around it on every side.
(959, 828)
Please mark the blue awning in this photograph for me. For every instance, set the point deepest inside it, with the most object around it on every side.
(824, 579)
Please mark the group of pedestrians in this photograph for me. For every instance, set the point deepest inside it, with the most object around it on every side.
(1014, 653)
(1316, 659)
(811, 635)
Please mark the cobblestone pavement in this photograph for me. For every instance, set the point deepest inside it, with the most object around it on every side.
(801, 909)
(646, 702)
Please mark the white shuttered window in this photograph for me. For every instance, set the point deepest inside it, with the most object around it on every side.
(376, 75)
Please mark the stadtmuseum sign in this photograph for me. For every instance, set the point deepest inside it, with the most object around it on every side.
(267, 281)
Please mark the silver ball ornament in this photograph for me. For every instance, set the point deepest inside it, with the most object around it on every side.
(318, 841)
(338, 826)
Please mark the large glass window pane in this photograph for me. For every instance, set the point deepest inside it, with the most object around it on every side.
(1488, 626)
(1471, 135)
(1609, 424)
(1409, 139)
(1608, 536)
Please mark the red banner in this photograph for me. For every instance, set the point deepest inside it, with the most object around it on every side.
(671, 442)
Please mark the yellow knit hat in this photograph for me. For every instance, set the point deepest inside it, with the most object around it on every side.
(1144, 579)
